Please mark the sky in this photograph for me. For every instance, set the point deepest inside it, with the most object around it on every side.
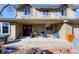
(51, 4)
(46, 4)
(10, 12)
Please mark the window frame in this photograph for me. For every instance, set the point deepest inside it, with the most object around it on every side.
(50, 27)
(1, 25)
(46, 12)
(63, 12)
(27, 13)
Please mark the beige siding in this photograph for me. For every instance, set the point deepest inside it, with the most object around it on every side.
(62, 31)
(19, 29)
(15, 30)
(12, 31)
(70, 13)
(65, 29)
(38, 27)
(76, 29)
(68, 29)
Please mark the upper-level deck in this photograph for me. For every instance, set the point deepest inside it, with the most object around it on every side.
(53, 12)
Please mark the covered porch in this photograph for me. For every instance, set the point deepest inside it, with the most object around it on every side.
(25, 27)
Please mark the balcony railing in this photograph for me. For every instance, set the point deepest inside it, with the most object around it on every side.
(36, 16)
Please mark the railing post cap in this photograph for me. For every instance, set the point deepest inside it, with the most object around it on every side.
(65, 21)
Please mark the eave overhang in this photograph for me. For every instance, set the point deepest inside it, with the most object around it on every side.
(40, 21)
(21, 6)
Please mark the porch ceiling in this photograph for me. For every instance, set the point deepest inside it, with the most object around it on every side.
(33, 21)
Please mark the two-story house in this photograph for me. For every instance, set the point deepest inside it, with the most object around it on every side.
(50, 19)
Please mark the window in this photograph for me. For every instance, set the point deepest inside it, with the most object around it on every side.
(63, 12)
(27, 11)
(50, 27)
(46, 12)
(4, 27)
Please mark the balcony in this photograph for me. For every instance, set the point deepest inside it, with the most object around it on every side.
(45, 17)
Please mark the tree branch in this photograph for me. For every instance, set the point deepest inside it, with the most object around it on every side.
(3, 9)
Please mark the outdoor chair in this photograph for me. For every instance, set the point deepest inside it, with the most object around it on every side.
(43, 34)
(4, 38)
(56, 35)
(33, 34)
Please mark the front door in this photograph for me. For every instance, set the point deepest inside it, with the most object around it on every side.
(27, 29)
